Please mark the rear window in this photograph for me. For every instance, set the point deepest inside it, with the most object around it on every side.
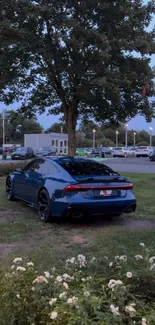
(86, 168)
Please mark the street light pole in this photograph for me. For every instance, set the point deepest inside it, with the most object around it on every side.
(3, 129)
(126, 135)
(151, 136)
(94, 131)
(134, 139)
(117, 138)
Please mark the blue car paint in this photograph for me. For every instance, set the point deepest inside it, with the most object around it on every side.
(26, 187)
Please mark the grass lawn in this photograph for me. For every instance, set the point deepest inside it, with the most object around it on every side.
(22, 233)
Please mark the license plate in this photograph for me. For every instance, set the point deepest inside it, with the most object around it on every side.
(105, 193)
(16, 156)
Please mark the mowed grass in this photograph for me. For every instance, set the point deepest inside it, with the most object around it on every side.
(23, 234)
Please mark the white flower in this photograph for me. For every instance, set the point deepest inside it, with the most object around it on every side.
(105, 258)
(93, 260)
(114, 310)
(12, 267)
(33, 288)
(81, 260)
(40, 279)
(113, 283)
(138, 257)
(18, 296)
(72, 260)
(30, 264)
(83, 280)
(86, 293)
(65, 285)
(129, 275)
(53, 269)
(17, 259)
(20, 268)
(130, 309)
(53, 315)
(116, 257)
(47, 274)
(144, 321)
(72, 300)
(152, 259)
(52, 301)
(58, 279)
(63, 295)
(67, 277)
(123, 258)
(110, 264)
(142, 244)
(152, 267)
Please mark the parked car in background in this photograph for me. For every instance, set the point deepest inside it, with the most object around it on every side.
(46, 151)
(152, 155)
(1, 150)
(66, 187)
(142, 151)
(119, 152)
(101, 152)
(22, 153)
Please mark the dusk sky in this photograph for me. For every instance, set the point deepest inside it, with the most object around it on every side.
(137, 123)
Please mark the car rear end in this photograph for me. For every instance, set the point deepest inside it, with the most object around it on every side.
(142, 152)
(96, 190)
(117, 152)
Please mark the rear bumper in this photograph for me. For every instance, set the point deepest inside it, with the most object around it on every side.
(100, 210)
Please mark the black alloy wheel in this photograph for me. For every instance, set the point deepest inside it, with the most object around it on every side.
(44, 210)
(9, 189)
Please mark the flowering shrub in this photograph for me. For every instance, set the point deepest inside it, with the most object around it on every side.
(80, 295)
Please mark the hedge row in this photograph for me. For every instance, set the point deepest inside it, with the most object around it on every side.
(9, 167)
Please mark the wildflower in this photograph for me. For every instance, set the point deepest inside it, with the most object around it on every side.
(40, 279)
(12, 267)
(110, 264)
(65, 285)
(72, 300)
(67, 277)
(30, 264)
(152, 259)
(86, 293)
(53, 269)
(33, 288)
(20, 268)
(129, 275)
(152, 267)
(82, 260)
(116, 257)
(17, 259)
(130, 309)
(93, 260)
(142, 244)
(18, 296)
(58, 279)
(138, 257)
(83, 280)
(72, 260)
(123, 258)
(53, 315)
(63, 295)
(114, 310)
(52, 301)
(113, 283)
(47, 274)
(144, 321)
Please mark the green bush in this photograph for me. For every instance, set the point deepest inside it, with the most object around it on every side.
(9, 167)
(87, 292)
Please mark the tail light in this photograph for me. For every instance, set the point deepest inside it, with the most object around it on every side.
(79, 188)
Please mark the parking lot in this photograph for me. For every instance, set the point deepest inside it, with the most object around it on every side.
(132, 165)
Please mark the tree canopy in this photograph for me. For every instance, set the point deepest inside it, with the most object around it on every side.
(16, 125)
(84, 58)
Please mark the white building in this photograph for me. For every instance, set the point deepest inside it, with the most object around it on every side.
(58, 140)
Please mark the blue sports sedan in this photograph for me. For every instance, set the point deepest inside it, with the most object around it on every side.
(65, 187)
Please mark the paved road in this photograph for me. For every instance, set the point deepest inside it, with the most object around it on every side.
(135, 165)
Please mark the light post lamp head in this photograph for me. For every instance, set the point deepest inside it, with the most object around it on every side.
(94, 131)
(151, 128)
(117, 132)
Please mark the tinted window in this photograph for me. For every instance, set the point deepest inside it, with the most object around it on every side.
(46, 168)
(21, 149)
(86, 168)
(31, 166)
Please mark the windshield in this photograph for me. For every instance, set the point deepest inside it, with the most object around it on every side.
(85, 168)
(44, 149)
(21, 149)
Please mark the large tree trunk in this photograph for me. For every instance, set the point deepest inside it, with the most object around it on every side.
(70, 114)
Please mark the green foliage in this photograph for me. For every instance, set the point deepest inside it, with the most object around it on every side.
(16, 125)
(57, 127)
(103, 292)
(77, 58)
(10, 167)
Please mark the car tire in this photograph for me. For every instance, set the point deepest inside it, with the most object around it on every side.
(9, 189)
(114, 156)
(43, 206)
